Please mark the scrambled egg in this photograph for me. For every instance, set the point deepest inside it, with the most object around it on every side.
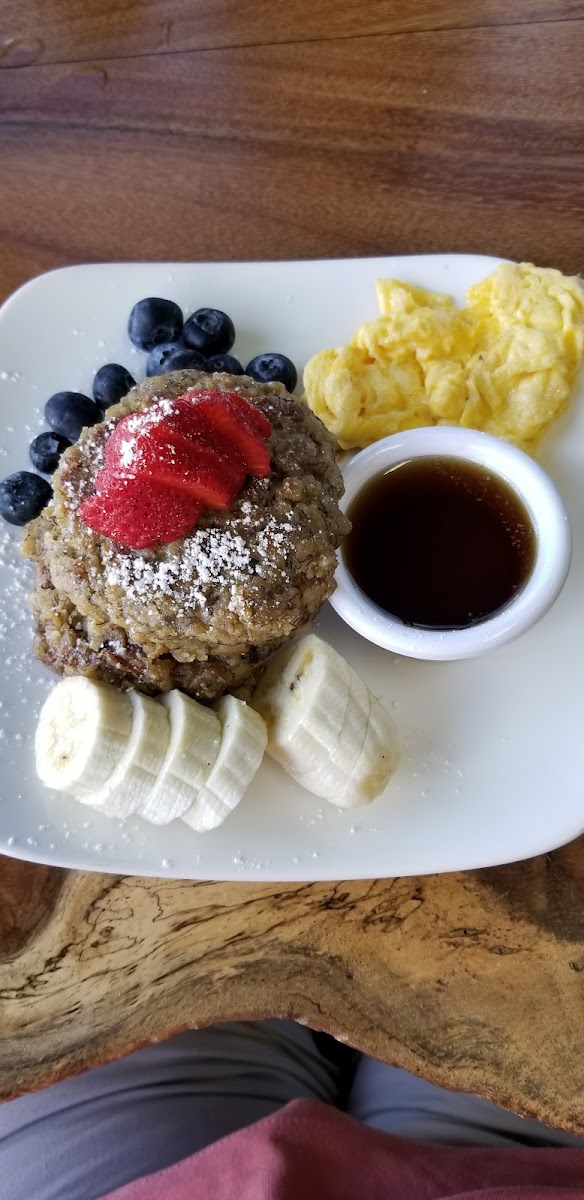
(505, 363)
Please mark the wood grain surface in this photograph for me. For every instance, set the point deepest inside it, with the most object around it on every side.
(65, 31)
(473, 980)
(451, 140)
(216, 130)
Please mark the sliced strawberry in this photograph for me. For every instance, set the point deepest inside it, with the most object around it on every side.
(220, 431)
(230, 425)
(122, 448)
(222, 419)
(139, 513)
(164, 464)
(196, 437)
(200, 476)
(122, 443)
(185, 439)
(255, 417)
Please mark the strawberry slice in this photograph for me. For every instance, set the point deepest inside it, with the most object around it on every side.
(123, 444)
(199, 473)
(139, 513)
(219, 418)
(167, 463)
(232, 424)
(253, 416)
(198, 438)
(185, 440)
(223, 429)
(183, 448)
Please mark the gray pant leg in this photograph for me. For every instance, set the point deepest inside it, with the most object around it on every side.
(82, 1138)
(394, 1101)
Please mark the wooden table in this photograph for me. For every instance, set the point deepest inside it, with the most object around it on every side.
(209, 129)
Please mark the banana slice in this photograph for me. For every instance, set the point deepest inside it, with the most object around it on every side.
(349, 745)
(195, 736)
(82, 732)
(376, 763)
(134, 776)
(304, 698)
(243, 741)
(324, 725)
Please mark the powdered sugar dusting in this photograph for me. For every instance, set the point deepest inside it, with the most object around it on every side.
(128, 452)
(209, 559)
(14, 608)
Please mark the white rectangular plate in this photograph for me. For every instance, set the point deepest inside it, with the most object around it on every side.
(491, 768)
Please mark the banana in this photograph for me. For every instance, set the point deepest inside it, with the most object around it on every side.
(351, 740)
(243, 741)
(324, 725)
(83, 730)
(303, 698)
(195, 735)
(376, 763)
(124, 753)
(134, 776)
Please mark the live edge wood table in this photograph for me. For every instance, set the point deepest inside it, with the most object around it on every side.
(196, 129)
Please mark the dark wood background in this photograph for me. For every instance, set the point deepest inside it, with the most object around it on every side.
(222, 129)
(216, 129)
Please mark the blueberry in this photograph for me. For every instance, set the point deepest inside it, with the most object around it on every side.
(153, 321)
(156, 364)
(46, 450)
(225, 362)
(273, 368)
(68, 413)
(23, 496)
(209, 331)
(171, 356)
(110, 384)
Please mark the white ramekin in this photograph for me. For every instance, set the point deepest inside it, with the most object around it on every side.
(552, 533)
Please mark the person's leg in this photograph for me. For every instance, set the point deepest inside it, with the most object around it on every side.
(394, 1101)
(81, 1138)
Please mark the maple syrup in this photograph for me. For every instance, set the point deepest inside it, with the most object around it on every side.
(439, 542)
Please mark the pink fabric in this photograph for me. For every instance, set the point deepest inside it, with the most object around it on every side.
(308, 1151)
